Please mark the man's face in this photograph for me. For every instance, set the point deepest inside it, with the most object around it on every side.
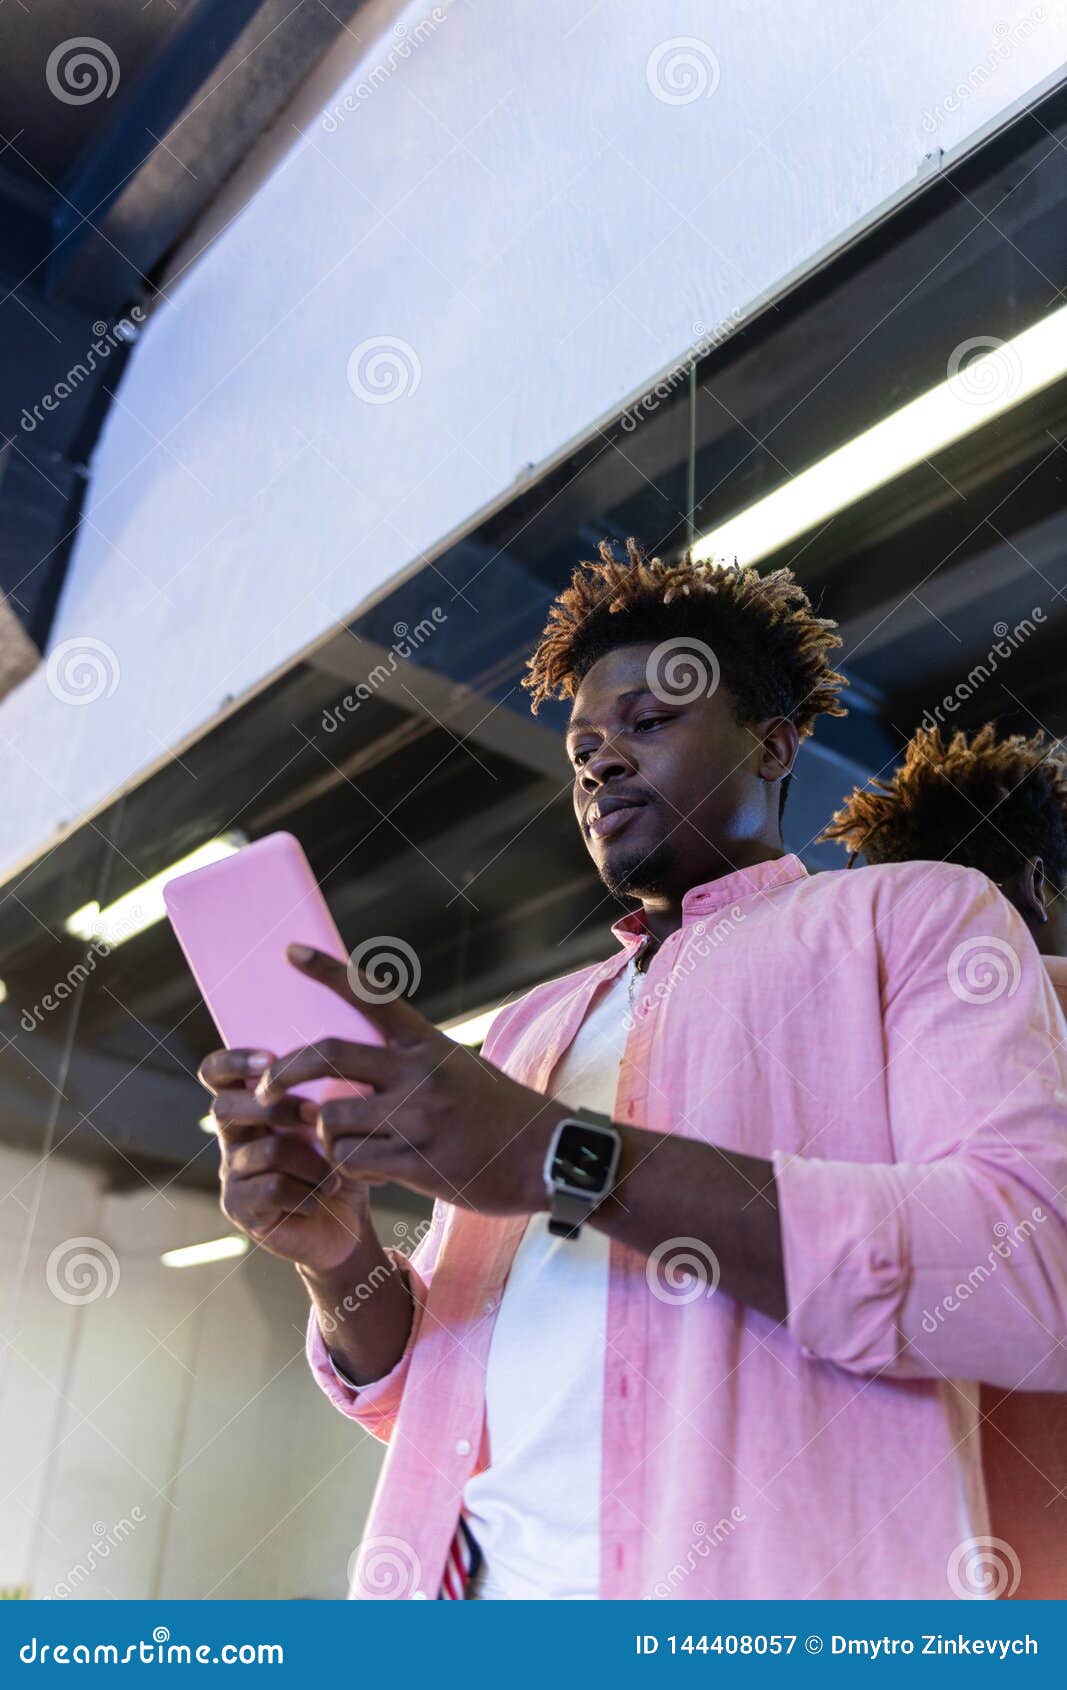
(662, 790)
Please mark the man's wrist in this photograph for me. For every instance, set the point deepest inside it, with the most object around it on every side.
(329, 1285)
(628, 1156)
(631, 1153)
(537, 1140)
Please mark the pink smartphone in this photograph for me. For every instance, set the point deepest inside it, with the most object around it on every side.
(233, 920)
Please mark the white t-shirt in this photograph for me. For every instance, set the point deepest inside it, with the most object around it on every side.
(535, 1511)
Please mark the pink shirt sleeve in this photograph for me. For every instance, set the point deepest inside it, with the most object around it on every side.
(375, 1406)
(950, 1261)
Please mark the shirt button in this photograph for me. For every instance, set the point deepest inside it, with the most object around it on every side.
(490, 1304)
(418, 1596)
(463, 1447)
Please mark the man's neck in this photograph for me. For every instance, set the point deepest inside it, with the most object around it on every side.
(663, 910)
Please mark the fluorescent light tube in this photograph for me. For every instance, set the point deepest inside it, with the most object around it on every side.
(473, 1029)
(144, 906)
(215, 1250)
(975, 392)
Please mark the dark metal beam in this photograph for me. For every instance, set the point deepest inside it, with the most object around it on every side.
(205, 32)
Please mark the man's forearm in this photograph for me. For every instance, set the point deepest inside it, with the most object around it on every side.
(364, 1310)
(678, 1188)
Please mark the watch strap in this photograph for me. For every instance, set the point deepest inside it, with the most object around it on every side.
(567, 1214)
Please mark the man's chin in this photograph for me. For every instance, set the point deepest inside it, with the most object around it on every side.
(635, 874)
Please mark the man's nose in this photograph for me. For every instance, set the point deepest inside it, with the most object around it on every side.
(607, 763)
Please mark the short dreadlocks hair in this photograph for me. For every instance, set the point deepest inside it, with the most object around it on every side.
(772, 650)
(983, 803)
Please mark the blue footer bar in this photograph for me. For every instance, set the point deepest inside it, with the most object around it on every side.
(548, 1644)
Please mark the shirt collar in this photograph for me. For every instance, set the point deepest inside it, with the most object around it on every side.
(702, 901)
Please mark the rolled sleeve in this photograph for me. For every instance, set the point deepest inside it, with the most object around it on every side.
(952, 1260)
(845, 1253)
(374, 1406)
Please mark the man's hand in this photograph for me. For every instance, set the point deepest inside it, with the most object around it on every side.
(438, 1118)
(277, 1186)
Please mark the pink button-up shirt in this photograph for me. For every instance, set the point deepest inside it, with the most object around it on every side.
(1024, 1459)
(889, 1038)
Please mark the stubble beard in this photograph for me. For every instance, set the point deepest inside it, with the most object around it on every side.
(637, 875)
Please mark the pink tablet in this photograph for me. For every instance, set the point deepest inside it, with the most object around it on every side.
(234, 919)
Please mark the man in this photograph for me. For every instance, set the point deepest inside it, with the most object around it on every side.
(999, 805)
(677, 1342)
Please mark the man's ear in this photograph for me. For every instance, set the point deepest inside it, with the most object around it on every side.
(1027, 888)
(779, 743)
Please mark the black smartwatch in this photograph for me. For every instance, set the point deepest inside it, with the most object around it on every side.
(580, 1169)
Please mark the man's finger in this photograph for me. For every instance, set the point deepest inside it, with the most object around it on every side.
(375, 1158)
(330, 1059)
(397, 1021)
(224, 1068)
(354, 1117)
(262, 1201)
(283, 1154)
(362, 1115)
(241, 1115)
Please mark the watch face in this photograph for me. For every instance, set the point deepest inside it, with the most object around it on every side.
(583, 1159)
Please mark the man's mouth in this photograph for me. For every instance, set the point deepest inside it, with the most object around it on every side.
(608, 817)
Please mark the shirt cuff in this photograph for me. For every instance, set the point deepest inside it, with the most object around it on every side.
(375, 1403)
(343, 1377)
(845, 1255)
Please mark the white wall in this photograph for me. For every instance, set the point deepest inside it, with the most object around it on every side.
(517, 203)
(167, 1439)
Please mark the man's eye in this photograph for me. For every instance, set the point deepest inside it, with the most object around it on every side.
(649, 722)
(579, 757)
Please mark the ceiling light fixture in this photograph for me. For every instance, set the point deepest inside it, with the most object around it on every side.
(215, 1250)
(978, 388)
(144, 906)
(473, 1028)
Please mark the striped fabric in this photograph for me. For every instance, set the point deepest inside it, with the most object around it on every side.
(464, 1560)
